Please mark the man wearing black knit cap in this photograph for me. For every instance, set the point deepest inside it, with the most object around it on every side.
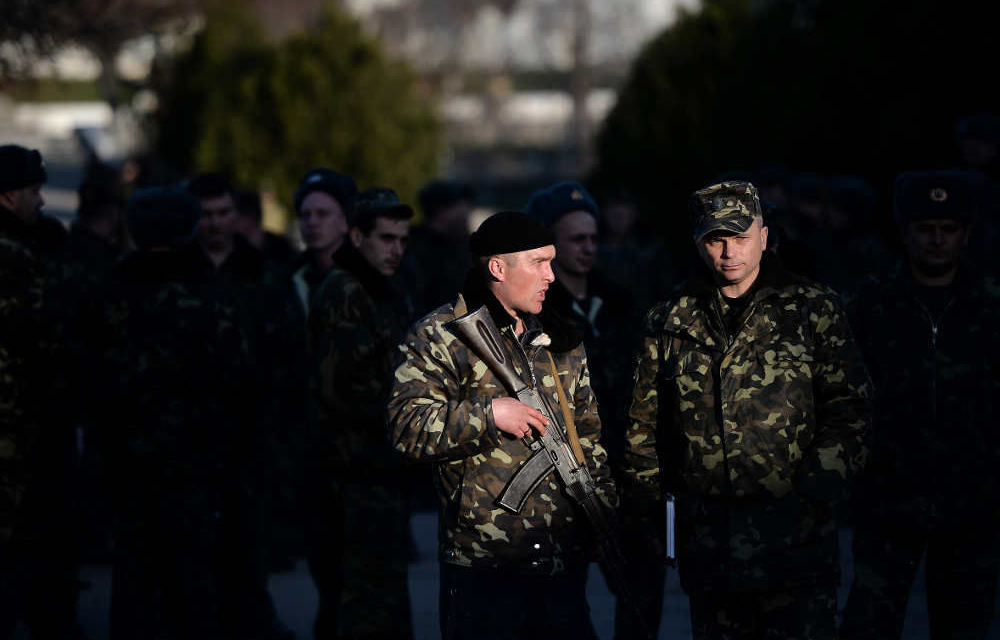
(502, 574)
(322, 202)
(22, 174)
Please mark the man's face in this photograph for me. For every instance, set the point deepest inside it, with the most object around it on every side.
(620, 218)
(218, 222)
(935, 245)
(383, 248)
(248, 227)
(25, 203)
(734, 258)
(322, 223)
(454, 219)
(576, 242)
(524, 277)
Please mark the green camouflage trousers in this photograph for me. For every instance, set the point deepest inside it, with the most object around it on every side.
(803, 613)
(375, 600)
(961, 577)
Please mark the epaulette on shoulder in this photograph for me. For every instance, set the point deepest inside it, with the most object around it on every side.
(656, 317)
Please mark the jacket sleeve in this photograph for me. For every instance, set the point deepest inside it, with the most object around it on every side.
(641, 485)
(353, 358)
(588, 428)
(430, 415)
(842, 392)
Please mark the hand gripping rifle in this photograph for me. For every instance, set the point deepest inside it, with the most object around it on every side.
(551, 452)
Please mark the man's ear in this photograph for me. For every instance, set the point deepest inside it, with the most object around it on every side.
(356, 237)
(763, 238)
(497, 267)
(7, 199)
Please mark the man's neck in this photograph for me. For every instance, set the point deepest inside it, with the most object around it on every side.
(323, 259)
(575, 283)
(941, 279)
(217, 256)
(518, 323)
(738, 289)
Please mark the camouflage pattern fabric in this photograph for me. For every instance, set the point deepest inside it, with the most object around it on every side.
(757, 433)
(355, 326)
(270, 315)
(355, 323)
(22, 289)
(802, 614)
(440, 411)
(937, 378)
(178, 461)
(375, 596)
(727, 206)
(44, 544)
(80, 291)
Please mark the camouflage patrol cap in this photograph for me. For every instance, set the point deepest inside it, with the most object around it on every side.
(920, 195)
(374, 202)
(726, 206)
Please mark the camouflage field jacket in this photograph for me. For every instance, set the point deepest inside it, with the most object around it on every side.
(356, 321)
(756, 433)
(937, 383)
(22, 369)
(440, 411)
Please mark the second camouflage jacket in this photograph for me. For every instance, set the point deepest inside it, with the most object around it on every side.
(755, 428)
(441, 411)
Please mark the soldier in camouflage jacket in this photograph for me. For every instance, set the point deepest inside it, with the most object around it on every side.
(447, 407)
(356, 321)
(751, 407)
(930, 333)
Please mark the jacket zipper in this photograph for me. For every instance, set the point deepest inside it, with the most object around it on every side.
(935, 328)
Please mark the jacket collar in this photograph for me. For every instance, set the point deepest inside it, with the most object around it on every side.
(696, 312)
(350, 260)
(475, 294)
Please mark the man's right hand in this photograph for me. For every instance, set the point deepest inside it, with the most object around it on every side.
(516, 418)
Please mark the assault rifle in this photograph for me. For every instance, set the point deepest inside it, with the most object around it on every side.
(551, 452)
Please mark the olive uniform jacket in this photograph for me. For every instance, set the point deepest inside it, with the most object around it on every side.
(441, 411)
(755, 428)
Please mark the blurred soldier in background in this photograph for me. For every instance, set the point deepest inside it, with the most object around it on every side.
(275, 247)
(930, 332)
(322, 201)
(177, 458)
(752, 395)
(261, 513)
(356, 322)
(637, 262)
(978, 140)
(80, 293)
(588, 306)
(37, 559)
(599, 312)
(437, 259)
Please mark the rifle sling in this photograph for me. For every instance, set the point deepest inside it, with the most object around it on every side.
(574, 439)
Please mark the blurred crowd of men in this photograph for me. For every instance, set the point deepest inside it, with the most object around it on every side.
(198, 402)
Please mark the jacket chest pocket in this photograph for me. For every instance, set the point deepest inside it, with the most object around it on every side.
(688, 375)
(784, 378)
